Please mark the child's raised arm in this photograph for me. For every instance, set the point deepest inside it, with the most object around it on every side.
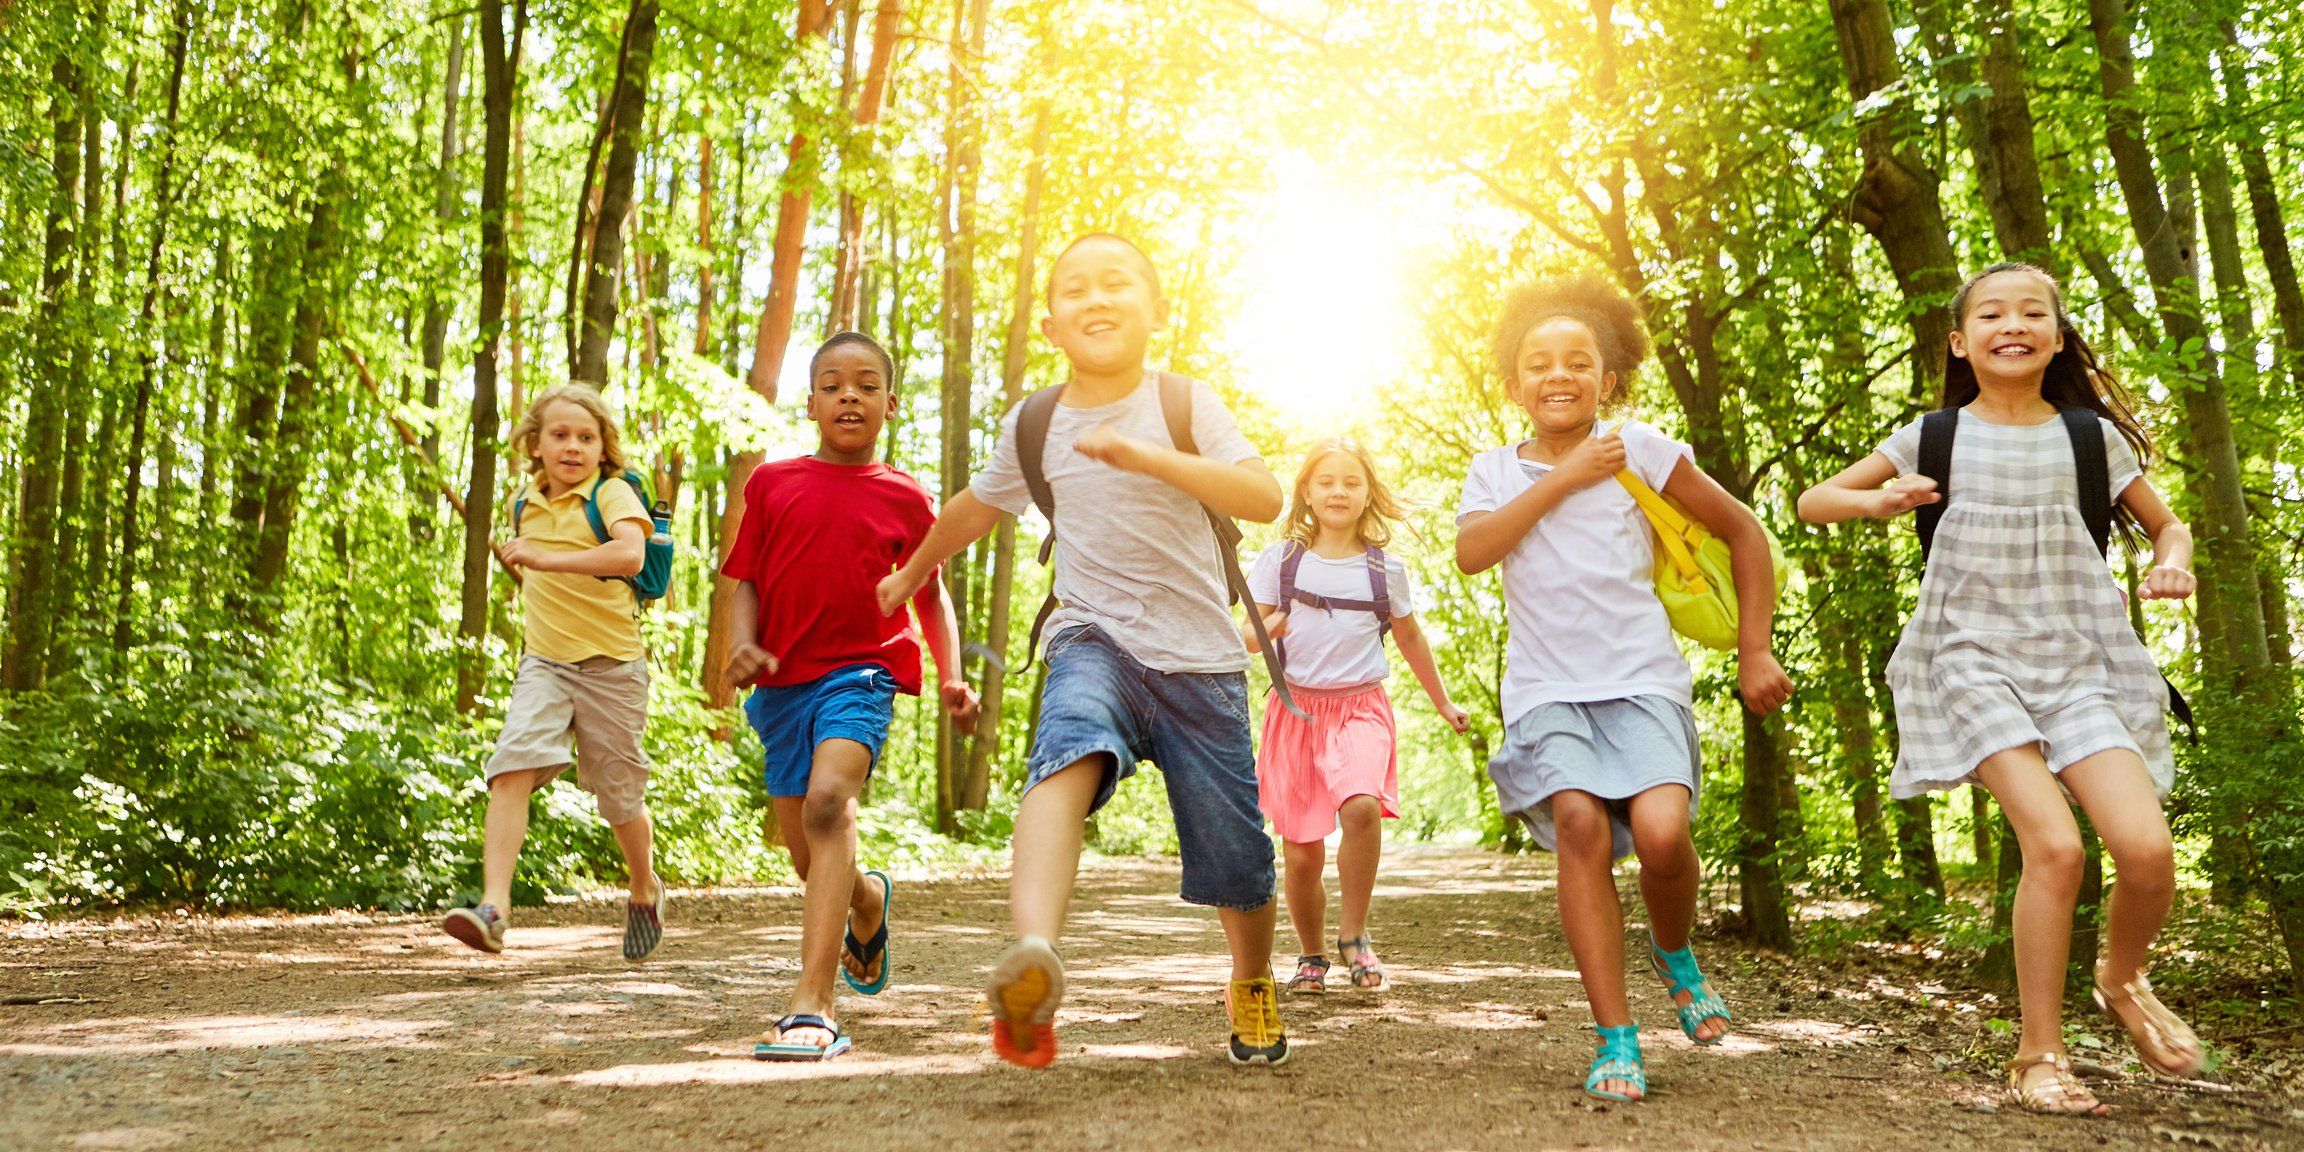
(2170, 577)
(1484, 539)
(942, 633)
(1760, 679)
(1857, 491)
(1243, 491)
(964, 521)
(623, 554)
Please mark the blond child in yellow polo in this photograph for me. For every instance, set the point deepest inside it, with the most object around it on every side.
(584, 673)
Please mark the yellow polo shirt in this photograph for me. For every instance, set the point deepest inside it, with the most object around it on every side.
(574, 617)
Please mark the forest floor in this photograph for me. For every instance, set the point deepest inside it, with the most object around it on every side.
(353, 1030)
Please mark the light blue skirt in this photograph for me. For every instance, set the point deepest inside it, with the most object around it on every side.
(1613, 749)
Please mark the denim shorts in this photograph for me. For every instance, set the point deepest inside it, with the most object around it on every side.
(854, 703)
(1193, 725)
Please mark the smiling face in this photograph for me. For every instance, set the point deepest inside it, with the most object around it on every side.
(568, 445)
(1559, 378)
(849, 398)
(1335, 487)
(1103, 306)
(2011, 330)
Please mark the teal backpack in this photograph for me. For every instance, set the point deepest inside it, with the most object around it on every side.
(655, 576)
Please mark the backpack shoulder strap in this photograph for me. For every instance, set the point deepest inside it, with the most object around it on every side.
(592, 508)
(1032, 453)
(1936, 432)
(2093, 472)
(1176, 409)
(1291, 557)
(1379, 583)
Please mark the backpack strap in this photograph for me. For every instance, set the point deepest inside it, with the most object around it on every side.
(1291, 557)
(1380, 584)
(1031, 452)
(2092, 471)
(1936, 432)
(592, 509)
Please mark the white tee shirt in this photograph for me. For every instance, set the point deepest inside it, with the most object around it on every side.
(1333, 649)
(1134, 556)
(1579, 589)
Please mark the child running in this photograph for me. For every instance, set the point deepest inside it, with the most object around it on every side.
(583, 672)
(818, 533)
(1142, 661)
(2019, 669)
(1340, 765)
(1600, 754)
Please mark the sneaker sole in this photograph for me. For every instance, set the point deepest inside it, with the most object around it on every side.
(1023, 995)
(1261, 1058)
(466, 929)
(650, 939)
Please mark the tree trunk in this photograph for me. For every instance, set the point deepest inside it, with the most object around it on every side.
(703, 346)
(1760, 878)
(1896, 199)
(630, 107)
(164, 202)
(775, 332)
(30, 611)
(500, 78)
(444, 200)
(2264, 206)
(976, 784)
(299, 402)
(1997, 124)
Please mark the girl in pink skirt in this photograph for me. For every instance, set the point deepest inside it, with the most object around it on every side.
(1331, 591)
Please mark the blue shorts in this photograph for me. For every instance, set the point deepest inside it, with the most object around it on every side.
(854, 703)
(1193, 725)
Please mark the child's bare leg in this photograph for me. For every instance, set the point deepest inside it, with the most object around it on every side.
(505, 831)
(2050, 841)
(789, 825)
(1307, 895)
(1668, 877)
(1357, 854)
(1250, 936)
(828, 825)
(637, 839)
(1050, 826)
(1589, 913)
(2116, 791)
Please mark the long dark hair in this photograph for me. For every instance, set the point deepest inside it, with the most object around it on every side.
(2075, 377)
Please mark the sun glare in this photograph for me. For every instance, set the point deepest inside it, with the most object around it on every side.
(1325, 320)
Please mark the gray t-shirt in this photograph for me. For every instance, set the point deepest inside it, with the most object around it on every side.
(1134, 556)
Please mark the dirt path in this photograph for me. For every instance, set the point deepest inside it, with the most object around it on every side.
(364, 1031)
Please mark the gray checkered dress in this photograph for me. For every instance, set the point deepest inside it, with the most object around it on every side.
(2020, 636)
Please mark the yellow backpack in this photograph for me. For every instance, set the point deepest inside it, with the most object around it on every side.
(1694, 578)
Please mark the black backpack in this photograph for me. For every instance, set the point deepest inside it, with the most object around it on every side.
(1176, 408)
(1380, 602)
(2090, 467)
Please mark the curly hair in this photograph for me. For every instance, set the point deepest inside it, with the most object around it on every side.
(531, 427)
(1385, 508)
(1613, 320)
(851, 336)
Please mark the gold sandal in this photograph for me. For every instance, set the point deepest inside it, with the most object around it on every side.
(2058, 1094)
(2163, 1037)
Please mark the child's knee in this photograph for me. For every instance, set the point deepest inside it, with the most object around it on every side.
(2149, 864)
(1361, 815)
(513, 785)
(826, 813)
(2055, 858)
(1579, 822)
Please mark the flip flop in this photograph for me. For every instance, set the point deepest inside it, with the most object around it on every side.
(877, 949)
(802, 1052)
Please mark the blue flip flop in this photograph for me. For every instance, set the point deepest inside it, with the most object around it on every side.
(864, 952)
(802, 1052)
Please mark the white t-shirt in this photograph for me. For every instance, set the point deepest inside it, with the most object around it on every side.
(1341, 648)
(1134, 556)
(1579, 589)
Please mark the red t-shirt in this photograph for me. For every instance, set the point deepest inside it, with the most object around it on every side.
(816, 540)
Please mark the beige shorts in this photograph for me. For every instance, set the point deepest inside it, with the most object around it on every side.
(603, 705)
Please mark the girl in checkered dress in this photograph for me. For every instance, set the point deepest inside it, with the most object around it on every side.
(2019, 670)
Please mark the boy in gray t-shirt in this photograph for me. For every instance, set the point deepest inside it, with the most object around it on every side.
(1143, 661)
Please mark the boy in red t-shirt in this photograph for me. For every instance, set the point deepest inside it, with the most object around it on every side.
(819, 532)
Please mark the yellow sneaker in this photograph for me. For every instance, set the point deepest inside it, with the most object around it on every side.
(1257, 1036)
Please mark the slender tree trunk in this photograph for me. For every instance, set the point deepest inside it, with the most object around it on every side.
(2264, 205)
(606, 265)
(299, 403)
(1997, 124)
(30, 610)
(775, 332)
(704, 255)
(164, 203)
(444, 200)
(976, 784)
(500, 79)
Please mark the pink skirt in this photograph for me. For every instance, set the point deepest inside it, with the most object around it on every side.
(1307, 770)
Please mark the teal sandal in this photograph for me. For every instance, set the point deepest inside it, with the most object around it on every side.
(1618, 1059)
(1680, 971)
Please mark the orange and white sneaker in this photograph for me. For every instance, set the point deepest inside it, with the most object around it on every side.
(1257, 1035)
(1026, 986)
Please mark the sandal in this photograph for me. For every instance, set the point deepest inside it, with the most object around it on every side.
(777, 1049)
(1618, 1059)
(2163, 1041)
(1679, 970)
(2059, 1093)
(1311, 976)
(1367, 970)
(875, 950)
